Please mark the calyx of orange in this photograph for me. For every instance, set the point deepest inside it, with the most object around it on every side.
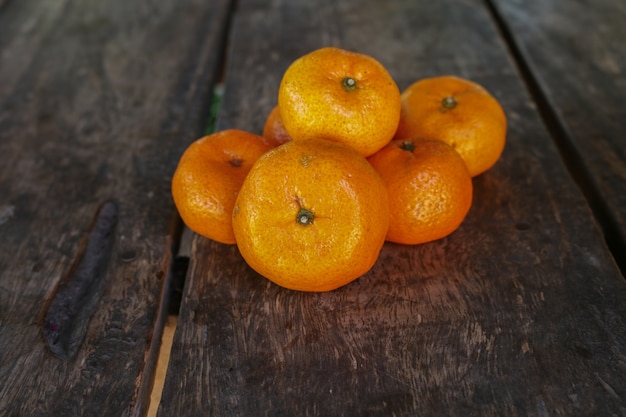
(448, 103)
(305, 217)
(349, 84)
(407, 146)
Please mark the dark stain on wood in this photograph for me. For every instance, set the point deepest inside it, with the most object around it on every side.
(73, 301)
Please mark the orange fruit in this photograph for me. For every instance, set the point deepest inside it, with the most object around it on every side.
(429, 188)
(208, 177)
(274, 129)
(312, 215)
(458, 112)
(342, 96)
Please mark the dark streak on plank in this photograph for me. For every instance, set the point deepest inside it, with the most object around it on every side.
(73, 301)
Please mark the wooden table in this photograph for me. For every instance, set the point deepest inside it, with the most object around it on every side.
(520, 312)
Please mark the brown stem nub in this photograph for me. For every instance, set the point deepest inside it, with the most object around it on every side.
(236, 161)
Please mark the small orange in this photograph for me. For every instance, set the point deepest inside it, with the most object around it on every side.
(208, 177)
(312, 215)
(339, 95)
(274, 129)
(429, 187)
(458, 112)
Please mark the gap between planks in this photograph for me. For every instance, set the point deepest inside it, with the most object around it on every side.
(167, 337)
(162, 364)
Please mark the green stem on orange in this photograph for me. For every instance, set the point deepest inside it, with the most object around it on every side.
(407, 146)
(305, 217)
(448, 103)
(349, 84)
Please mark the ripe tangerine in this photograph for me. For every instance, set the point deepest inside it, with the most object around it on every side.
(458, 112)
(429, 188)
(340, 95)
(311, 215)
(208, 177)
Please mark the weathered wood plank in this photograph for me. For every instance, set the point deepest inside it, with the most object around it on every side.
(575, 53)
(520, 312)
(97, 102)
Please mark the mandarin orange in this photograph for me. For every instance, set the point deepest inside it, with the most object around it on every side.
(274, 129)
(339, 95)
(429, 188)
(458, 112)
(208, 177)
(311, 215)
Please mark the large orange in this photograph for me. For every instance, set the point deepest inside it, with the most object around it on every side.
(429, 186)
(342, 96)
(208, 177)
(312, 215)
(458, 112)
(274, 129)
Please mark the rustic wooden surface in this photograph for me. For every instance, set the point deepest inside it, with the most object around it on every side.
(97, 102)
(520, 312)
(575, 53)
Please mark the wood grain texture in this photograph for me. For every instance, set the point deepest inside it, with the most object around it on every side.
(520, 312)
(97, 101)
(575, 53)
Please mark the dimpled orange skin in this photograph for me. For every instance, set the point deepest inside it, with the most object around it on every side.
(474, 123)
(429, 187)
(338, 243)
(314, 101)
(208, 177)
(274, 129)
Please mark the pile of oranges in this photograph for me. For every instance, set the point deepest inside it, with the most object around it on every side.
(345, 163)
